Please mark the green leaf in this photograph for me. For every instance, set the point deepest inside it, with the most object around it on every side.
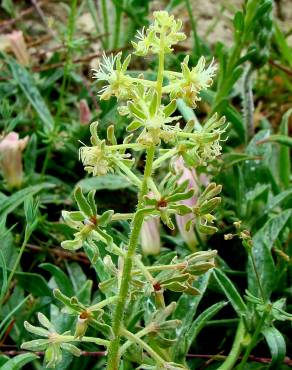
(4, 275)
(230, 291)
(82, 202)
(263, 242)
(228, 111)
(284, 164)
(185, 311)
(230, 159)
(107, 182)
(30, 155)
(62, 281)
(27, 84)
(201, 321)
(280, 139)
(77, 276)
(277, 345)
(33, 283)
(19, 361)
(285, 49)
(238, 21)
(12, 202)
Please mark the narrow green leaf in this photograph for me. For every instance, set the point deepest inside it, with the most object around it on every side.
(82, 202)
(230, 291)
(12, 202)
(19, 361)
(185, 311)
(33, 283)
(4, 275)
(285, 49)
(263, 241)
(280, 139)
(62, 281)
(201, 321)
(277, 345)
(284, 164)
(27, 84)
(107, 182)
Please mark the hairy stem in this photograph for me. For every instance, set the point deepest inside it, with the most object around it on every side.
(113, 357)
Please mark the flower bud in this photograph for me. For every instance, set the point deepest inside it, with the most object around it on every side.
(150, 236)
(84, 112)
(186, 174)
(11, 148)
(18, 47)
(81, 325)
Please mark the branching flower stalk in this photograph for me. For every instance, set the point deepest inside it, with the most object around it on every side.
(127, 279)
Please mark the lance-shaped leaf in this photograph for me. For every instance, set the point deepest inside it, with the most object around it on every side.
(82, 202)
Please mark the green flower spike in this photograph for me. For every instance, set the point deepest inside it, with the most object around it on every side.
(149, 41)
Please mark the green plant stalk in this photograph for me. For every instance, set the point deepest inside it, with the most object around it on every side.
(118, 24)
(69, 37)
(196, 40)
(159, 82)
(231, 359)
(113, 356)
(16, 263)
(144, 345)
(147, 330)
(117, 322)
(256, 274)
(248, 105)
(224, 87)
(105, 22)
(253, 341)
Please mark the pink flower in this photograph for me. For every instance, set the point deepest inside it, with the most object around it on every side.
(19, 48)
(150, 236)
(84, 112)
(188, 174)
(11, 148)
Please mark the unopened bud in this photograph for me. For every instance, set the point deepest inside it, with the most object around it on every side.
(228, 236)
(150, 236)
(11, 148)
(209, 205)
(18, 47)
(84, 112)
(81, 325)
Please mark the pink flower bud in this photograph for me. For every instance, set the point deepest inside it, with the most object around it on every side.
(11, 148)
(84, 112)
(150, 236)
(18, 47)
(187, 174)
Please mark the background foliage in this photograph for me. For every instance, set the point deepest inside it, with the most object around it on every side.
(41, 100)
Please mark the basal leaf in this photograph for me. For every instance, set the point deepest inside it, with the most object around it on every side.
(277, 345)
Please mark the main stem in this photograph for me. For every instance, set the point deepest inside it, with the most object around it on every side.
(235, 350)
(113, 356)
(118, 316)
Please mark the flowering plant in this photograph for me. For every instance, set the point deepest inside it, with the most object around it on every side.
(129, 279)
